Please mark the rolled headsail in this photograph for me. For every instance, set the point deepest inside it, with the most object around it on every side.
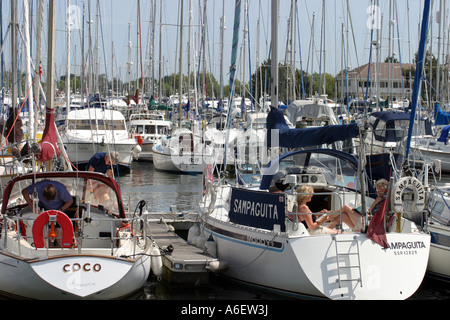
(48, 147)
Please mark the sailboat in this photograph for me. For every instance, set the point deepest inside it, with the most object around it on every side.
(261, 246)
(438, 225)
(184, 150)
(101, 253)
(260, 241)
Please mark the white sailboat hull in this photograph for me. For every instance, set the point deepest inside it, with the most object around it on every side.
(307, 266)
(439, 260)
(440, 157)
(100, 252)
(72, 277)
(165, 162)
(183, 152)
(439, 229)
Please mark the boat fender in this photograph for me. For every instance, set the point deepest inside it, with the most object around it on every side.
(156, 261)
(211, 246)
(139, 139)
(193, 234)
(410, 183)
(201, 240)
(43, 219)
(136, 151)
(217, 266)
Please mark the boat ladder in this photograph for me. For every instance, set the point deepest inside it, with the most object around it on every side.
(345, 249)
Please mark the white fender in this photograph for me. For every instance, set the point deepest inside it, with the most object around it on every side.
(217, 266)
(156, 261)
(193, 233)
(418, 203)
(136, 151)
(201, 240)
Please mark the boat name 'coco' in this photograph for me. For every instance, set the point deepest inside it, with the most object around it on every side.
(85, 267)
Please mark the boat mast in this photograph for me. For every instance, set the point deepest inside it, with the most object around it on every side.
(51, 55)
(68, 58)
(38, 64)
(14, 84)
(160, 57)
(140, 60)
(222, 39)
(236, 24)
(29, 81)
(274, 62)
(438, 67)
(130, 63)
(180, 80)
(418, 75)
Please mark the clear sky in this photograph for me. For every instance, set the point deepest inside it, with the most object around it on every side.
(116, 16)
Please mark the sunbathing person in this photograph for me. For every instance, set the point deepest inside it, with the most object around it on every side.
(308, 218)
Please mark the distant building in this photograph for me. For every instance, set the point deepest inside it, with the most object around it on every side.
(388, 84)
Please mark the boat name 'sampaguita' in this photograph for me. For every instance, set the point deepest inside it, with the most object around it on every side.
(257, 209)
(407, 246)
(410, 183)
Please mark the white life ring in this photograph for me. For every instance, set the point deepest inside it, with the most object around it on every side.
(418, 201)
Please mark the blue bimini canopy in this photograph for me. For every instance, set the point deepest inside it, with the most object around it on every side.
(301, 138)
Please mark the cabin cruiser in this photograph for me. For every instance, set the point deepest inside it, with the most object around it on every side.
(147, 128)
(92, 130)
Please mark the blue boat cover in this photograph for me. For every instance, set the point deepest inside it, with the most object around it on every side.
(299, 138)
(444, 134)
(390, 126)
(440, 117)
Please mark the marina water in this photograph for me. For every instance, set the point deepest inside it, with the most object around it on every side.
(162, 190)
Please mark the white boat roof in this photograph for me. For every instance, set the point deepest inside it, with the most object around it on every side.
(147, 116)
(299, 109)
(95, 113)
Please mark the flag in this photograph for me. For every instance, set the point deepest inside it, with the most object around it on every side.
(376, 230)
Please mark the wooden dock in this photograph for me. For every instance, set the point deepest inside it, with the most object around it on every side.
(181, 221)
(183, 263)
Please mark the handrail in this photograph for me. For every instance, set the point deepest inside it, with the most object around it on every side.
(113, 235)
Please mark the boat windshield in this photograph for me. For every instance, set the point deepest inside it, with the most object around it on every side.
(335, 170)
(111, 125)
(83, 190)
(86, 124)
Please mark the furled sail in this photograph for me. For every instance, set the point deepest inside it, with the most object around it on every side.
(307, 137)
(48, 147)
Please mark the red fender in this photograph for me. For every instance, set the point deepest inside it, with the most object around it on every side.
(139, 139)
(43, 219)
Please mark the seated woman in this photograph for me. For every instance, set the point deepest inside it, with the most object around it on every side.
(313, 226)
(352, 217)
